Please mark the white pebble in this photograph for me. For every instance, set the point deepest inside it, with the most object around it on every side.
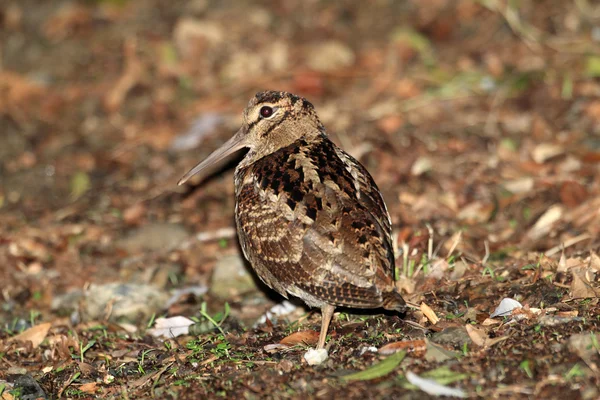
(315, 356)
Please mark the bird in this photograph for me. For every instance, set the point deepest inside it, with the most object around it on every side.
(310, 219)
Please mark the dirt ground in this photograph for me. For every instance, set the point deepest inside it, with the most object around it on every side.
(479, 120)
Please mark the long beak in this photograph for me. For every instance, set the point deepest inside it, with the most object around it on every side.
(237, 142)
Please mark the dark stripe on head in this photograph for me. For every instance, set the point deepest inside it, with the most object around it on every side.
(269, 96)
(307, 104)
(266, 133)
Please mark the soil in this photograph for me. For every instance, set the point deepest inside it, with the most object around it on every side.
(479, 121)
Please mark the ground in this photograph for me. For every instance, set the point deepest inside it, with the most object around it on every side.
(479, 120)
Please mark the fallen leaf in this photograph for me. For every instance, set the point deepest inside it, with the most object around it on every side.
(433, 388)
(80, 184)
(476, 212)
(429, 313)
(421, 166)
(506, 306)
(35, 334)
(410, 346)
(378, 370)
(521, 185)
(171, 327)
(89, 387)
(581, 286)
(544, 224)
(275, 347)
(437, 353)
(595, 261)
(391, 123)
(309, 337)
(477, 335)
(545, 151)
(572, 193)
(490, 321)
(131, 76)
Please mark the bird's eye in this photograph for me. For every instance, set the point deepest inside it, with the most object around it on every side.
(266, 112)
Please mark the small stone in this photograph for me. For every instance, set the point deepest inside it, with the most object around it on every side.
(190, 34)
(231, 277)
(154, 237)
(29, 388)
(455, 336)
(329, 56)
(66, 303)
(125, 302)
(315, 356)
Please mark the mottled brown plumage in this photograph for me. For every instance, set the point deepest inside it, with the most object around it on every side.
(310, 218)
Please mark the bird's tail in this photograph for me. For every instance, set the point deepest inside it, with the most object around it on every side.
(392, 300)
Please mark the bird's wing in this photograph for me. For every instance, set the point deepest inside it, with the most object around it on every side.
(316, 220)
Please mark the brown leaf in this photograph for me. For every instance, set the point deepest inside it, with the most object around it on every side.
(390, 124)
(132, 76)
(410, 346)
(544, 224)
(476, 212)
(595, 261)
(429, 313)
(477, 335)
(480, 337)
(545, 151)
(35, 334)
(133, 214)
(581, 287)
(572, 193)
(309, 337)
(89, 387)
(67, 20)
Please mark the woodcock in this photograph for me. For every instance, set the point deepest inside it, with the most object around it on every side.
(311, 220)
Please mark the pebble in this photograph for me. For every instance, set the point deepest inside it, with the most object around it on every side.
(230, 277)
(315, 356)
(154, 237)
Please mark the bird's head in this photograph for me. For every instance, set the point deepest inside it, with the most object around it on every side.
(272, 120)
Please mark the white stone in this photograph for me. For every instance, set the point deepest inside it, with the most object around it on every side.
(315, 356)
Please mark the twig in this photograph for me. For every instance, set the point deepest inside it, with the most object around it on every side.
(567, 243)
(487, 252)
(429, 242)
(455, 244)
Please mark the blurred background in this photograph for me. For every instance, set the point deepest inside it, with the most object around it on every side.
(479, 120)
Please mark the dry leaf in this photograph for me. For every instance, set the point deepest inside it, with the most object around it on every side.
(477, 335)
(171, 327)
(506, 307)
(417, 347)
(275, 347)
(35, 334)
(390, 123)
(89, 387)
(429, 313)
(546, 151)
(421, 165)
(521, 185)
(595, 261)
(309, 337)
(490, 321)
(433, 388)
(572, 193)
(581, 286)
(480, 337)
(544, 224)
(476, 212)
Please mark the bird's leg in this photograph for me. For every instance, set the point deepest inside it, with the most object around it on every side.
(326, 314)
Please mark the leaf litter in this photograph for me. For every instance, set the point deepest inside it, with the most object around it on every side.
(478, 121)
